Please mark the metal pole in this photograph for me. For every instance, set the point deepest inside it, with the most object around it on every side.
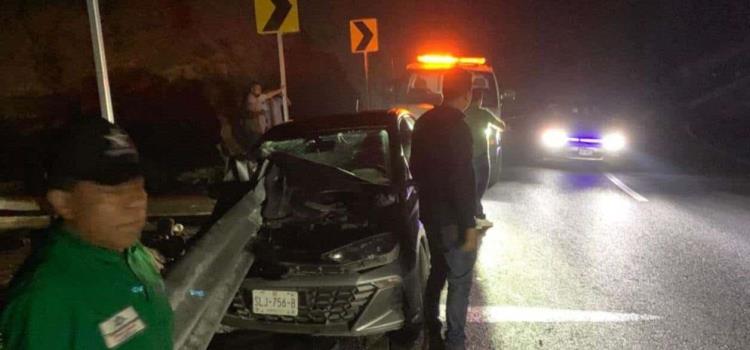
(282, 69)
(367, 83)
(100, 60)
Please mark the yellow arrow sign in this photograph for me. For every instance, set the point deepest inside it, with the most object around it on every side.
(274, 16)
(364, 35)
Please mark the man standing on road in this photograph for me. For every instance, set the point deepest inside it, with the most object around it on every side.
(478, 119)
(441, 163)
(91, 285)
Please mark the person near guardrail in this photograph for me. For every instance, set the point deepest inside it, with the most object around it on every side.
(91, 285)
(259, 108)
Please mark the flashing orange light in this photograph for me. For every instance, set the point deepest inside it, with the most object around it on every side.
(437, 66)
(434, 61)
(472, 60)
(437, 59)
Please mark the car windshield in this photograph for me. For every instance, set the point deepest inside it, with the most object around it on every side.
(363, 153)
(424, 87)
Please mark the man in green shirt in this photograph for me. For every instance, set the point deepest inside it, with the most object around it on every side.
(91, 285)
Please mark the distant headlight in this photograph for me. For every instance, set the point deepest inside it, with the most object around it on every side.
(368, 248)
(614, 142)
(554, 138)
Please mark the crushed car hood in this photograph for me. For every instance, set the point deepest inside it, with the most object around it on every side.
(312, 209)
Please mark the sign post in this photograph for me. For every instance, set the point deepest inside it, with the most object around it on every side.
(364, 39)
(100, 60)
(278, 17)
(282, 75)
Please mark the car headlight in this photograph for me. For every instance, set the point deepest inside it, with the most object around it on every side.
(364, 249)
(554, 138)
(614, 142)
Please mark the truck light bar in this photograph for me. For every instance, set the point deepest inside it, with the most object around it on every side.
(436, 61)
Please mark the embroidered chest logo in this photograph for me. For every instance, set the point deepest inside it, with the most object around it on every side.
(121, 327)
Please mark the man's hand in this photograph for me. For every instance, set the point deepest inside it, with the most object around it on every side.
(158, 259)
(471, 241)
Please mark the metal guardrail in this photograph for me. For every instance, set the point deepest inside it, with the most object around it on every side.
(28, 214)
(203, 283)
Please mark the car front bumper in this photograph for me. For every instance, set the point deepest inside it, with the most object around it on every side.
(348, 304)
(583, 152)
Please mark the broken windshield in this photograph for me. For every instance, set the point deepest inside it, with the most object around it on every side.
(361, 152)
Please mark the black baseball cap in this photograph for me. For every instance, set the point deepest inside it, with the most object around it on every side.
(93, 149)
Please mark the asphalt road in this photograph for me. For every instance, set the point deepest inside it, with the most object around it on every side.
(586, 258)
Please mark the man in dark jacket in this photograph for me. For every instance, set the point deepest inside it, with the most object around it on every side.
(441, 164)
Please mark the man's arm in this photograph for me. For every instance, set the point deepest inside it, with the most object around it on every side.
(271, 94)
(493, 119)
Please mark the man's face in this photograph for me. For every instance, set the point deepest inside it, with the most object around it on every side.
(256, 89)
(107, 216)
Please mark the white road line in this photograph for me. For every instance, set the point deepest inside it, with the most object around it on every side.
(625, 188)
(518, 314)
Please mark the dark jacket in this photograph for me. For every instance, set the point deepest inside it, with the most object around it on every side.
(441, 163)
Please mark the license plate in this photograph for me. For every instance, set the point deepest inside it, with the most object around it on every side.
(585, 152)
(275, 302)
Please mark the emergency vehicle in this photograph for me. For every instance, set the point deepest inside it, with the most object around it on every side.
(422, 90)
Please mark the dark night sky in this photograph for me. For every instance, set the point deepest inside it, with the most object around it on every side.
(621, 53)
(602, 49)
(616, 52)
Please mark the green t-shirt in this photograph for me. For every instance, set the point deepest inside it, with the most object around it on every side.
(73, 295)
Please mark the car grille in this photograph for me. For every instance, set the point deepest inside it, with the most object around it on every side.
(316, 305)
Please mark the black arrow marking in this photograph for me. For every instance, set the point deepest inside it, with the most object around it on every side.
(278, 16)
(366, 35)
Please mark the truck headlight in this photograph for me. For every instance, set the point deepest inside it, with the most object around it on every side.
(614, 142)
(554, 138)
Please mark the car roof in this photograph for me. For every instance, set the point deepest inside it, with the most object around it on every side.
(332, 123)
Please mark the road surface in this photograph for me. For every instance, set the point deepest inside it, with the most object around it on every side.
(585, 258)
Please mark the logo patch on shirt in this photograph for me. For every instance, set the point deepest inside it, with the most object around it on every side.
(121, 327)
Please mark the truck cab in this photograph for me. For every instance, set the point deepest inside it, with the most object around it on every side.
(422, 89)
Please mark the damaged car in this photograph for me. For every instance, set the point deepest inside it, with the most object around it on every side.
(341, 251)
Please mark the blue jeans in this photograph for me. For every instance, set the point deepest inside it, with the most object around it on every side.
(448, 263)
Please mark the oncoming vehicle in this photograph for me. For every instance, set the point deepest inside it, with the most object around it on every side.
(581, 133)
(340, 251)
(423, 90)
